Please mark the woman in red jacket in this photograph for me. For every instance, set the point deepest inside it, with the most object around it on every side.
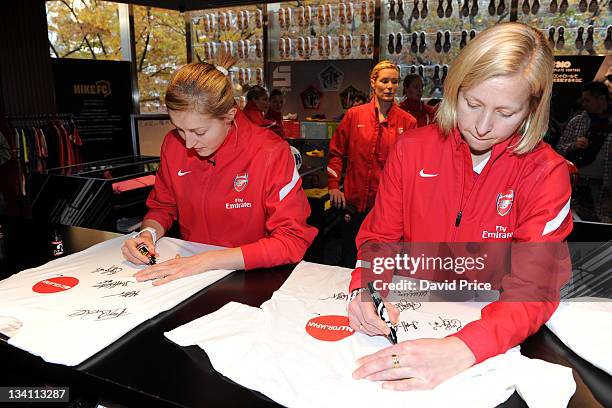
(365, 137)
(215, 178)
(413, 92)
(481, 174)
(257, 105)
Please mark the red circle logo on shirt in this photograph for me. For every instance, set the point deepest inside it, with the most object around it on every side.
(329, 328)
(53, 285)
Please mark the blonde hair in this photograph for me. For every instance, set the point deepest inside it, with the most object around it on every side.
(383, 65)
(502, 50)
(201, 87)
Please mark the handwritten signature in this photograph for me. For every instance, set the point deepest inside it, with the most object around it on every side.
(100, 314)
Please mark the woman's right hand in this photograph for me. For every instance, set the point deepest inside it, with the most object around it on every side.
(363, 318)
(132, 254)
(337, 198)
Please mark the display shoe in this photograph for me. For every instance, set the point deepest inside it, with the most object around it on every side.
(608, 39)
(438, 44)
(371, 11)
(440, 9)
(491, 7)
(421, 71)
(444, 73)
(328, 14)
(424, 9)
(342, 13)
(525, 7)
(588, 43)
(422, 42)
(370, 44)
(472, 34)
(447, 42)
(551, 36)
(349, 13)
(391, 44)
(392, 10)
(593, 6)
(501, 7)
(307, 16)
(259, 19)
(362, 44)
(436, 74)
(560, 38)
(553, 6)
(321, 14)
(364, 12)
(398, 43)
(582, 6)
(415, 10)
(563, 6)
(449, 9)
(579, 43)
(535, 7)
(299, 16)
(474, 9)
(413, 44)
(412, 69)
(400, 10)
(258, 48)
(465, 9)
(300, 47)
(463, 41)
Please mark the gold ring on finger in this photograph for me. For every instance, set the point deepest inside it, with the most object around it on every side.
(395, 360)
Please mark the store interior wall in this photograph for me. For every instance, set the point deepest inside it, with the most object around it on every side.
(25, 65)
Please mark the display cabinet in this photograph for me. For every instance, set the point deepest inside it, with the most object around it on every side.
(240, 32)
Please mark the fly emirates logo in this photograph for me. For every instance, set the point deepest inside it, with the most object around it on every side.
(238, 203)
(500, 232)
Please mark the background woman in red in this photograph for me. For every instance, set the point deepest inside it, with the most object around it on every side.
(413, 92)
(364, 139)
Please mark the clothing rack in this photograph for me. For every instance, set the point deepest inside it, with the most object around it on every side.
(40, 141)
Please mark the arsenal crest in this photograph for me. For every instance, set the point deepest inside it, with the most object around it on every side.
(504, 202)
(241, 181)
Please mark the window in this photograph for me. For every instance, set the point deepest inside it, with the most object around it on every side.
(160, 49)
(84, 29)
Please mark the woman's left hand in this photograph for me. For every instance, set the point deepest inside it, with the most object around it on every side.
(419, 364)
(176, 268)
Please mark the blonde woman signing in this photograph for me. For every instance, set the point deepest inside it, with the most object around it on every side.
(482, 167)
(215, 177)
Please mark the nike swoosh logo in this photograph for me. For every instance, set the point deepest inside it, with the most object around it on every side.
(181, 173)
(360, 126)
(423, 174)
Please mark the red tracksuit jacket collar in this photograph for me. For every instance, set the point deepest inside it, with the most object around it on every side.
(505, 147)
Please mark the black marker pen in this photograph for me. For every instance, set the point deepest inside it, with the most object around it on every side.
(142, 248)
(382, 312)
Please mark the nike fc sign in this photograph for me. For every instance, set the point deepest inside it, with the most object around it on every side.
(423, 174)
(181, 173)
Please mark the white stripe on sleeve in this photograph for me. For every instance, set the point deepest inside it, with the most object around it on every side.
(331, 171)
(285, 190)
(556, 222)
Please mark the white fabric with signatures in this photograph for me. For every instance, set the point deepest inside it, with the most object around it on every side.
(69, 326)
(268, 349)
(585, 325)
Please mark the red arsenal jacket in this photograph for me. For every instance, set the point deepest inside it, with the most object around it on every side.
(248, 194)
(423, 113)
(255, 115)
(429, 193)
(366, 143)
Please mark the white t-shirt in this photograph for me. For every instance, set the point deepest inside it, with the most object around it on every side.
(298, 350)
(585, 325)
(69, 309)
